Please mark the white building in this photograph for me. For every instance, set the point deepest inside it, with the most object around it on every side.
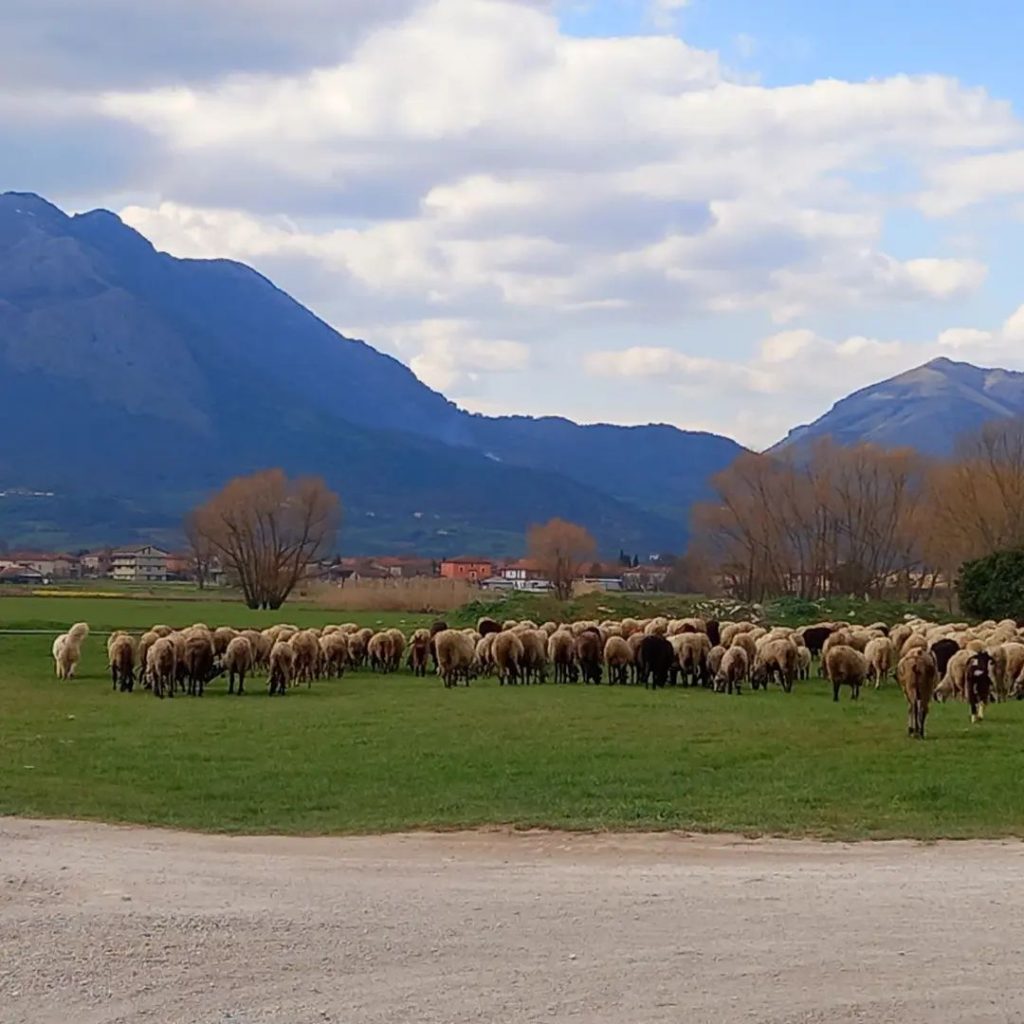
(145, 565)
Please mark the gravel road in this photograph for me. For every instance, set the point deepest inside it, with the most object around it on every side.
(101, 924)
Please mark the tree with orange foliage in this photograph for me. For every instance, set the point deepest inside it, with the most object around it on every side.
(561, 550)
(267, 530)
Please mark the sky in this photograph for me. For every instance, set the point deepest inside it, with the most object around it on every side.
(720, 214)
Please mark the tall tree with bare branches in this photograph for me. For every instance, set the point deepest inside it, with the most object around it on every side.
(266, 530)
(561, 551)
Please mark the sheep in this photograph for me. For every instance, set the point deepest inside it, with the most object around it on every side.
(588, 651)
(814, 637)
(881, 658)
(654, 660)
(419, 652)
(121, 657)
(238, 659)
(306, 645)
(978, 684)
(561, 654)
(748, 644)
(380, 651)
(455, 655)
(692, 651)
(483, 658)
(943, 650)
(733, 669)
(334, 654)
(146, 641)
(222, 636)
(356, 650)
(397, 649)
(845, 666)
(803, 662)
(917, 674)
(161, 666)
(618, 657)
(282, 667)
(953, 681)
(67, 650)
(775, 659)
(199, 661)
(161, 630)
(535, 655)
(715, 656)
(507, 652)
(487, 625)
(260, 646)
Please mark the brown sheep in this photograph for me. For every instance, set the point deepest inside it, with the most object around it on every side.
(121, 655)
(306, 645)
(917, 675)
(775, 659)
(535, 655)
(455, 654)
(732, 670)
(845, 666)
(588, 651)
(618, 656)
(237, 661)
(419, 652)
(282, 667)
(199, 662)
(161, 666)
(507, 652)
(881, 658)
(562, 654)
(334, 654)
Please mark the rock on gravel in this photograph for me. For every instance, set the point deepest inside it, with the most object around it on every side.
(101, 925)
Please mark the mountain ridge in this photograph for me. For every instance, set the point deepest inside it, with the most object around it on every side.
(142, 381)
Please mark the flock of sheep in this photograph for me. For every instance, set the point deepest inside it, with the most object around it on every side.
(973, 663)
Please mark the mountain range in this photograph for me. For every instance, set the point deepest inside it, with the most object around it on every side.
(132, 383)
(928, 408)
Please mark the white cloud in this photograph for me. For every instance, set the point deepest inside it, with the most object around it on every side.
(463, 183)
(803, 371)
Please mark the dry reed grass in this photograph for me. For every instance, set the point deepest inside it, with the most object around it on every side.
(419, 594)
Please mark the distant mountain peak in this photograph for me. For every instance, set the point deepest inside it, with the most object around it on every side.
(929, 407)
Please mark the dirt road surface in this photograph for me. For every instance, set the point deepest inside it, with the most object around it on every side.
(101, 925)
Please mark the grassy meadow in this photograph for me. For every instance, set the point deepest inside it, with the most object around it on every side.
(371, 754)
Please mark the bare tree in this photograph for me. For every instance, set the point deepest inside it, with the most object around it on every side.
(200, 549)
(266, 530)
(561, 550)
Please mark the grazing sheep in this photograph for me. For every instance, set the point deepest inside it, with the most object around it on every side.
(282, 667)
(733, 669)
(507, 652)
(561, 654)
(535, 655)
(715, 656)
(815, 636)
(483, 659)
(803, 662)
(917, 674)
(654, 660)
(881, 658)
(692, 651)
(775, 659)
(487, 625)
(978, 684)
(748, 643)
(953, 682)
(845, 666)
(161, 666)
(306, 645)
(397, 649)
(222, 636)
(146, 641)
(455, 654)
(121, 657)
(356, 650)
(588, 652)
(942, 651)
(618, 657)
(379, 652)
(238, 660)
(419, 652)
(334, 654)
(199, 661)
(260, 646)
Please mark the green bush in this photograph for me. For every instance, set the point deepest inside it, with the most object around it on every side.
(993, 587)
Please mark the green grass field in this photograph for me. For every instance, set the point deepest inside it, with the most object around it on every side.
(369, 754)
